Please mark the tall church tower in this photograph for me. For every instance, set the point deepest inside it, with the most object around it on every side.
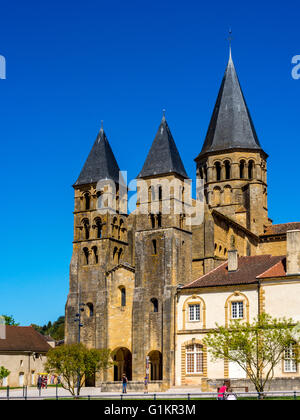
(232, 162)
(163, 244)
(100, 242)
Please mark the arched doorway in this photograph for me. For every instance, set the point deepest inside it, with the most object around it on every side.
(155, 365)
(123, 359)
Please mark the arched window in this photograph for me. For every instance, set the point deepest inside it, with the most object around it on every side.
(160, 194)
(154, 302)
(201, 173)
(159, 220)
(115, 227)
(250, 169)
(86, 227)
(95, 254)
(98, 228)
(227, 194)
(218, 171)
(87, 201)
(154, 247)
(182, 194)
(115, 255)
(242, 169)
(120, 255)
(121, 230)
(123, 296)
(217, 196)
(227, 169)
(152, 218)
(90, 309)
(86, 256)
(181, 221)
(99, 199)
(149, 194)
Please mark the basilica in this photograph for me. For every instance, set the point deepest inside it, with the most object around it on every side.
(151, 283)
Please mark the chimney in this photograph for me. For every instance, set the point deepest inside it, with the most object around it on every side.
(233, 260)
(293, 252)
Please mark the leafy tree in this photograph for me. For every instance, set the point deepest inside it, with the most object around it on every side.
(256, 347)
(9, 320)
(75, 362)
(4, 373)
(55, 330)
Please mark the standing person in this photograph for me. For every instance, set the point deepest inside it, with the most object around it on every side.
(221, 392)
(146, 385)
(39, 382)
(124, 384)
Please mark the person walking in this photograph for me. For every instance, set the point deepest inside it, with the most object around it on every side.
(146, 384)
(39, 382)
(124, 384)
(222, 392)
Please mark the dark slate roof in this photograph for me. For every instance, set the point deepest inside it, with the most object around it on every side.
(101, 163)
(23, 339)
(231, 126)
(249, 268)
(163, 157)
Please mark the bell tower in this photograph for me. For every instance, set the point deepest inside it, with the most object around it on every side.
(232, 162)
(163, 244)
(100, 242)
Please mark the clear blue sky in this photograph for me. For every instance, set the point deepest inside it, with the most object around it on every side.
(71, 64)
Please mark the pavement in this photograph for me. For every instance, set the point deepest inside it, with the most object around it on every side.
(34, 393)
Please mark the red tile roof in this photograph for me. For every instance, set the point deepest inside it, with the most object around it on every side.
(23, 339)
(281, 228)
(249, 268)
(278, 270)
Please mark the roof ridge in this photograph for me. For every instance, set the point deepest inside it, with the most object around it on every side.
(206, 274)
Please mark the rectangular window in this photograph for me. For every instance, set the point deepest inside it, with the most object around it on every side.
(194, 359)
(194, 312)
(237, 310)
(290, 364)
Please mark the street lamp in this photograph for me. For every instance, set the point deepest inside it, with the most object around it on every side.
(81, 306)
(78, 319)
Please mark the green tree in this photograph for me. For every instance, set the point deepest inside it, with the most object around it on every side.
(75, 362)
(4, 373)
(256, 347)
(9, 320)
(55, 330)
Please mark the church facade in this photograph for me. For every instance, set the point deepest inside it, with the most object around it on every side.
(139, 274)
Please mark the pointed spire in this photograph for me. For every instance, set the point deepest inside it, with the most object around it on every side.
(101, 163)
(163, 157)
(231, 125)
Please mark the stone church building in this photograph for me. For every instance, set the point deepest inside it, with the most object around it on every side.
(139, 274)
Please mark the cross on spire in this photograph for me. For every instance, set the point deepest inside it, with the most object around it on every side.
(230, 38)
